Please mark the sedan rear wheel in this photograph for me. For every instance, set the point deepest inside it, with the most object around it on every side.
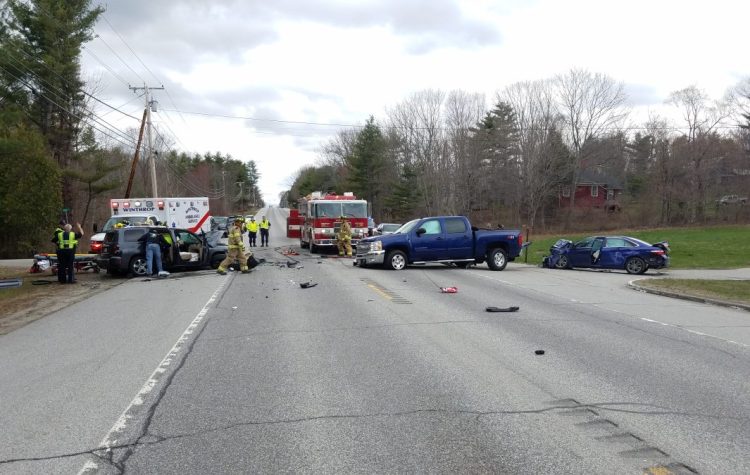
(636, 265)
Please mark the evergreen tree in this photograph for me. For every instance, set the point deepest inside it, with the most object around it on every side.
(366, 163)
(29, 189)
(405, 197)
(40, 60)
(93, 169)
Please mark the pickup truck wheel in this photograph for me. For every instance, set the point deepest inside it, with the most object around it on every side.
(395, 260)
(497, 260)
(139, 266)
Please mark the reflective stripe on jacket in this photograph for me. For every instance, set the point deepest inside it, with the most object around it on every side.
(265, 224)
(69, 243)
(235, 238)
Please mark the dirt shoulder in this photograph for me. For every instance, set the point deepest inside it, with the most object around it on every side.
(40, 294)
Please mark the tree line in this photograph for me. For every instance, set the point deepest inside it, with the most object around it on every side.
(442, 152)
(61, 160)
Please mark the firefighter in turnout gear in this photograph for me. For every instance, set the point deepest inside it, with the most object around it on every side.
(344, 237)
(236, 249)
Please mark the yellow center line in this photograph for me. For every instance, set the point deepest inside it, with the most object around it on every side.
(658, 471)
(378, 290)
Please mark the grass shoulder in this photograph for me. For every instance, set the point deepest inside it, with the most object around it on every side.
(726, 290)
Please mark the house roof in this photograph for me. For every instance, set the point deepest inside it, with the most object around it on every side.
(594, 176)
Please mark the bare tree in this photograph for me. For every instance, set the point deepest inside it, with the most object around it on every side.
(592, 105)
(418, 121)
(470, 186)
(700, 144)
(544, 162)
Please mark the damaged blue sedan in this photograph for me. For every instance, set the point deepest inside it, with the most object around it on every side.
(608, 252)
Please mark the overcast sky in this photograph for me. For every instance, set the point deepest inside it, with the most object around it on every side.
(252, 78)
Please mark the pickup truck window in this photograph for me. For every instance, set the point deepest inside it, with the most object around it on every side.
(432, 226)
(455, 226)
(406, 228)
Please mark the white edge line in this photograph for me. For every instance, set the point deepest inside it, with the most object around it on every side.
(695, 332)
(122, 421)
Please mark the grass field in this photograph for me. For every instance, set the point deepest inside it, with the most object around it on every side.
(724, 247)
(728, 290)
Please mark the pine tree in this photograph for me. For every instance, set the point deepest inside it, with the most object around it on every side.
(41, 58)
(367, 162)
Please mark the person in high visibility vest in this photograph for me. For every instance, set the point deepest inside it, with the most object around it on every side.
(344, 237)
(252, 230)
(264, 227)
(236, 249)
(66, 241)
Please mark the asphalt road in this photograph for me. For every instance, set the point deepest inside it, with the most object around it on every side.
(377, 371)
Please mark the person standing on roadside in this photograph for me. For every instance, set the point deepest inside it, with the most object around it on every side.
(264, 227)
(252, 230)
(66, 241)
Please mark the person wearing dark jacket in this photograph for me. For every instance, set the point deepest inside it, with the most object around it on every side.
(66, 241)
(154, 241)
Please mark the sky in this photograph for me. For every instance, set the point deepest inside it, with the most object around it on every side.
(273, 81)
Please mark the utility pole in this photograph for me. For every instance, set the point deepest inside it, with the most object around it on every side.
(242, 197)
(150, 104)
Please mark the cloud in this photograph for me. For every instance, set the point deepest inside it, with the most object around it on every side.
(642, 95)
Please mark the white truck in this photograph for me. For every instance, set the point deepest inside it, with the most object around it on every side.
(185, 213)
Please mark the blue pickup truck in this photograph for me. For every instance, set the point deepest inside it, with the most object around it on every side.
(441, 239)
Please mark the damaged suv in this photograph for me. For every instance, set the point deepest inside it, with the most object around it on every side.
(123, 252)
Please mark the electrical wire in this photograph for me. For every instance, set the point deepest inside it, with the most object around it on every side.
(99, 37)
(66, 82)
(81, 118)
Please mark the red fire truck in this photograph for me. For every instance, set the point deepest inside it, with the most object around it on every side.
(321, 216)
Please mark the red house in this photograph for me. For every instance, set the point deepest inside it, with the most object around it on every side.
(594, 189)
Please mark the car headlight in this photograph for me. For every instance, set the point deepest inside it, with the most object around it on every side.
(376, 246)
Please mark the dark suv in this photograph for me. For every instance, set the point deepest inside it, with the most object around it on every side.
(123, 251)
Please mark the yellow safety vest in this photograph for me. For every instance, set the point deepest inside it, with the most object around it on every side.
(265, 224)
(252, 226)
(69, 243)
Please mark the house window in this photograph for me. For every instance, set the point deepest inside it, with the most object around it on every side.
(594, 190)
(566, 192)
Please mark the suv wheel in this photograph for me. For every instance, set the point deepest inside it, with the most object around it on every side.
(139, 266)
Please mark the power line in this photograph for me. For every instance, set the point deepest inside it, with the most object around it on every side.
(105, 65)
(64, 80)
(394, 127)
(131, 49)
(87, 119)
(99, 37)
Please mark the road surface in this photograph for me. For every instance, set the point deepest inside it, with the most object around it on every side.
(377, 371)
